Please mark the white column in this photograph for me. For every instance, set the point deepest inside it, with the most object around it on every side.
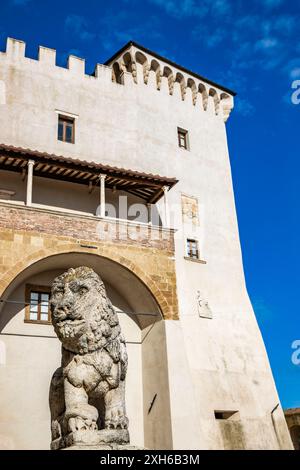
(149, 207)
(166, 207)
(102, 195)
(29, 182)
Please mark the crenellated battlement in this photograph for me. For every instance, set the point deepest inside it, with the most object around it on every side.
(16, 49)
(135, 64)
(149, 68)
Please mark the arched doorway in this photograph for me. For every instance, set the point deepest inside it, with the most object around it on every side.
(32, 353)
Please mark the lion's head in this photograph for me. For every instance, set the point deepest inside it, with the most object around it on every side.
(82, 315)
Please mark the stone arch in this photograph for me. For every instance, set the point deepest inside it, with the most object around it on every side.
(33, 351)
(155, 67)
(181, 80)
(169, 75)
(143, 61)
(105, 252)
(224, 96)
(129, 65)
(117, 74)
(192, 85)
(204, 95)
(214, 95)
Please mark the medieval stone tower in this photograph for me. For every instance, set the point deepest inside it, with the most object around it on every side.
(127, 171)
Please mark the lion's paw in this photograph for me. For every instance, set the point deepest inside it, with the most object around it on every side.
(116, 419)
(80, 424)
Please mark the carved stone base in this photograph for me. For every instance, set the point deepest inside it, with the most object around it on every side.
(110, 438)
(104, 447)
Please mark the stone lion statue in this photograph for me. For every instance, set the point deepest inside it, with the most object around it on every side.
(87, 399)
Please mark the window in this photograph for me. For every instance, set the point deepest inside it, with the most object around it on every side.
(183, 138)
(230, 425)
(192, 249)
(66, 129)
(37, 304)
(226, 414)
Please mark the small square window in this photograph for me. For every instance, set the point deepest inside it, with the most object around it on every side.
(66, 129)
(183, 141)
(227, 415)
(37, 304)
(192, 249)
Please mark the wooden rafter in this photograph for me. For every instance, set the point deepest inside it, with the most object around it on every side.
(146, 186)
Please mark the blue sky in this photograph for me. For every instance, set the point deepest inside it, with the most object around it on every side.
(251, 47)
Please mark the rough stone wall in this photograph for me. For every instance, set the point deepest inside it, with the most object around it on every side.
(28, 235)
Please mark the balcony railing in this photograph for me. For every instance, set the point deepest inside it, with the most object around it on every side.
(103, 184)
(86, 229)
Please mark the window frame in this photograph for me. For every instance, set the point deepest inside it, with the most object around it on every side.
(183, 134)
(62, 118)
(189, 251)
(29, 288)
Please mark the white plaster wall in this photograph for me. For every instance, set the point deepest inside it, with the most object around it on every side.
(135, 126)
(157, 411)
(2, 93)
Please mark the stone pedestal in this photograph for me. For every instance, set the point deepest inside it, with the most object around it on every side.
(104, 447)
(105, 439)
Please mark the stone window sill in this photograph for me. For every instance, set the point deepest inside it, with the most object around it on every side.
(38, 322)
(201, 261)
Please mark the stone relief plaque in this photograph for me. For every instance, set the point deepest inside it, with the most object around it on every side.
(204, 310)
(189, 207)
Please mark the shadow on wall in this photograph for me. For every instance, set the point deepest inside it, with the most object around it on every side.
(233, 435)
(295, 435)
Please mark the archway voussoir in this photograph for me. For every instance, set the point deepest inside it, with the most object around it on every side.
(104, 251)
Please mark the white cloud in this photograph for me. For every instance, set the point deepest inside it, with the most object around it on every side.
(194, 8)
(272, 62)
(265, 27)
(78, 25)
(292, 68)
(243, 107)
(221, 7)
(266, 44)
(176, 9)
(20, 2)
(216, 37)
(247, 22)
(272, 3)
(115, 30)
(209, 37)
(285, 24)
(295, 73)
